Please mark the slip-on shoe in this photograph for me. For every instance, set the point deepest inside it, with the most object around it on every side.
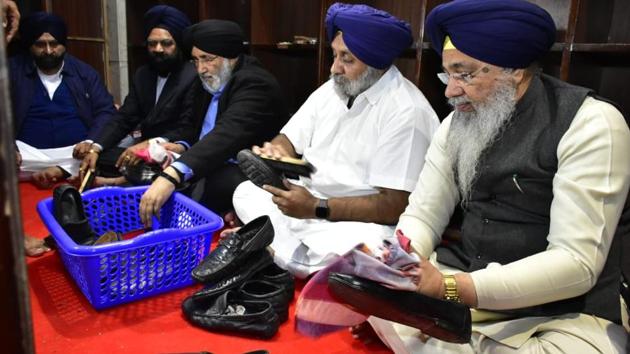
(257, 171)
(256, 262)
(446, 320)
(228, 312)
(69, 212)
(234, 250)
(260, 290)
(274, 274)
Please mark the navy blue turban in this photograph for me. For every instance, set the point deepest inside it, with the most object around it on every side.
(34, 25)
(506, 33)
(218, 37)
(373, 36)
(168, 18)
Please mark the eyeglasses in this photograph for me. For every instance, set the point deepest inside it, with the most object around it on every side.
(164, 43)
(204, 60)
(465, 78)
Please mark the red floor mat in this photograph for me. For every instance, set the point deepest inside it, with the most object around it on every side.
(65, 322)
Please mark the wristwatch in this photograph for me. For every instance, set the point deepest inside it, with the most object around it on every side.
(450, 289)
(321, 210)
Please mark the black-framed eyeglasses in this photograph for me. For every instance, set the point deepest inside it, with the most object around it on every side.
(463, 78)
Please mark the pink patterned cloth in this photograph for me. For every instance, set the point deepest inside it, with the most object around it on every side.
(317, 311)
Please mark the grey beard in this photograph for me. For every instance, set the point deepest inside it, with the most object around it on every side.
(212, 83)
(347, 88)
(471, 133)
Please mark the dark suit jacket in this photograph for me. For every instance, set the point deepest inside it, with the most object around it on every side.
(251, 110)
(94, 104)
(163, 119)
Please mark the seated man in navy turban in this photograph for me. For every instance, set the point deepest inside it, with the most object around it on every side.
(234, 103)
(365, 130)
(60, 104)
(541, 170)
(156, 98)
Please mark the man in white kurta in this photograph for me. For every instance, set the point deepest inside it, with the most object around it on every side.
(367, 148)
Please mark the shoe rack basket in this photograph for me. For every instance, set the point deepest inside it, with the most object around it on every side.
(156, 261)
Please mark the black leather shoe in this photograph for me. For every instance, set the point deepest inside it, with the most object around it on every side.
(446, 320)
(69, 212)
(227, 312)
(260, 290)
(254, 264)
(233, 251)
(257, 170)
(278, 276)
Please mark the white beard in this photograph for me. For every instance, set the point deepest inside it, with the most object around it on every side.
(471, 133)
(347, 88)
(213, 83)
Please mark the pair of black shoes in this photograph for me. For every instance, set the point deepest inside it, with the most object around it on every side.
(261, 170)
(246, 291)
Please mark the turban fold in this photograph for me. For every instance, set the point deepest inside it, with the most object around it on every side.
(168, 18)
(374, 36)
(506, 33)
(219, 37)
(34, 25)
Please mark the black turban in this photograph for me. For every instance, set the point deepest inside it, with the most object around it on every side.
(506, 33)
(168, 18)
(38, 23)
(218, 37)
(374, 36)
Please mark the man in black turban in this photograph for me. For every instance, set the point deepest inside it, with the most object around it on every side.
(155, 101)
(58, 101)
(235, 103)
(541, 170)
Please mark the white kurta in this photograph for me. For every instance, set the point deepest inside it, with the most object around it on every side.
(379, 142)
(590, 188)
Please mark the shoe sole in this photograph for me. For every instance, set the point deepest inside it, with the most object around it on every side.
(257, 171)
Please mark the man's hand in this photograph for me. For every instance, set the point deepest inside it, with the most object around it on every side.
(296, 202)
(81, 149)
(88, 163)
(174, 147)
(270, 150)
(10, 18)
(47, 178)
(129, 157)
(429, 279)
(153, 199)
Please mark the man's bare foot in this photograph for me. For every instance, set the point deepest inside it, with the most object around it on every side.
(34, 247)
(109, 181)
(365, 333)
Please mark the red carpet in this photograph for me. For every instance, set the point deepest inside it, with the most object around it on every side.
(64, 321)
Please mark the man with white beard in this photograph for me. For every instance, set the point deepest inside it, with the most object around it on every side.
(365, 130)
(540, 169)
(236, 103)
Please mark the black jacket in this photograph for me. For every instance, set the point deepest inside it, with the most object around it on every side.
(161, 119)
(251, 110)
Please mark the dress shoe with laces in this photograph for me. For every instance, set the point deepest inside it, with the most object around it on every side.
(256, 262)
(234, 250)
(445, 320)
(260, 290)
(228, 312)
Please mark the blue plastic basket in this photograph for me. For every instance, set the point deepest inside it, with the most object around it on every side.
(152, 263)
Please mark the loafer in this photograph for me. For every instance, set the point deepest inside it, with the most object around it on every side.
(233, 251)
(257, 171)
(276, 275)
(228, 312)
(69, 213)
(445, 320)
(256, 261)
(260, 290)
